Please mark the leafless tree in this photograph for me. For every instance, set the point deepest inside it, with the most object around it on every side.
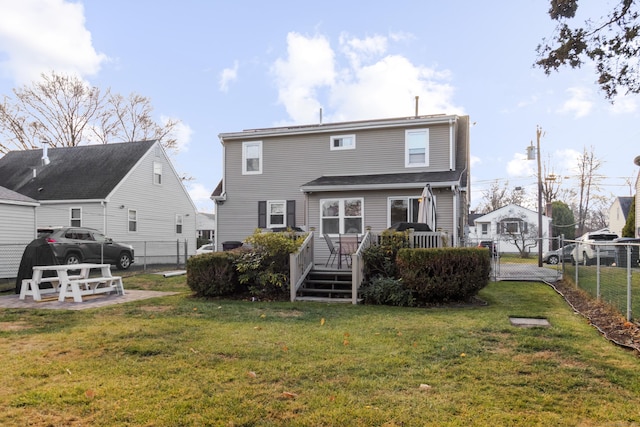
(520, 232)
(64, 111)
(500, 195)
(588, 184)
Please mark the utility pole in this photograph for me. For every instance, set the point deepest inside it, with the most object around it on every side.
(538, 135)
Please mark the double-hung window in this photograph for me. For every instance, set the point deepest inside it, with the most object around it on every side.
(277, 213)
(252, 158)
(416, 142)
(75, 217)
(178, 224)
(403, 209)
(342, 142)
(157, 173)
(341, 216)
(133, 220)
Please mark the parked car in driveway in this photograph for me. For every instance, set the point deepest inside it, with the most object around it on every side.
(73, 245)
(591, 245)
(205, 249)
(489, 244)
(562, 254)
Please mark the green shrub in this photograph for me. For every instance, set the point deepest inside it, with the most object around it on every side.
(212, 274)
(380, 259)
(264, 269)
(387, 291)
(445, 274)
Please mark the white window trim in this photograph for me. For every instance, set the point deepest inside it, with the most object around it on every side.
(157, 170)
(180, 222)
(341, 217)
(284, 213)
(129, 220)
(407, 164)
(408, 199)
(245, 146)
(348, 147)
(71, 218)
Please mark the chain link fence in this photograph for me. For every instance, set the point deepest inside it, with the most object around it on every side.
(146, 253)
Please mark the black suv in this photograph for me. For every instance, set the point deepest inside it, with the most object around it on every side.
(73, 245)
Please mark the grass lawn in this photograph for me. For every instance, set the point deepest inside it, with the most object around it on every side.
(180, 361)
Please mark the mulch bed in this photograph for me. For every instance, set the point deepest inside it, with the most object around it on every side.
(604, 318)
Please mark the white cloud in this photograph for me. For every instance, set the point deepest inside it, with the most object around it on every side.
(367, 83)
(624, 104)
(227, 76)
(181, 132)
(519, 166)
(579, 102)
(39, 36)
(200, 195)
(475, 160)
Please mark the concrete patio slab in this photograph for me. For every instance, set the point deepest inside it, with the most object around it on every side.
(91, 301)
(529, 322)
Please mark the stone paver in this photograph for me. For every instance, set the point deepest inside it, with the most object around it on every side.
(91, 301)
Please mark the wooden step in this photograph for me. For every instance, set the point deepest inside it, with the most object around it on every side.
(325, 291)
(324, 299)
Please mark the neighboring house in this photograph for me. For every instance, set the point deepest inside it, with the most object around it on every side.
(206, 225)
(513, 227)
(618, 213)
(17, 229)
(129, 191)
(343, 177)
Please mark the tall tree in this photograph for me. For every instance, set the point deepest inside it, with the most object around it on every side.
(611, 42)
(500, 195)
(563, 220)
(63, 111)
(588, 183)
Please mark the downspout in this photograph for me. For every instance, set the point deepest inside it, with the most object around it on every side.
(452, 147)
(456, 223)
(35, 222)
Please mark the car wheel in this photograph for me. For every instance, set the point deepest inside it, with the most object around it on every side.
(124, 261)
(553, 260)
(73, 259)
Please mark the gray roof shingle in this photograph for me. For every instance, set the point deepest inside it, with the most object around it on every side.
(73, 173)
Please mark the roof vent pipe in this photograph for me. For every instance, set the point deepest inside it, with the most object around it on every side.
(45, 157)
(320, 115)
(417, 97)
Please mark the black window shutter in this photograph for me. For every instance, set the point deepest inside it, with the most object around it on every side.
(262, 214)
(291, 213)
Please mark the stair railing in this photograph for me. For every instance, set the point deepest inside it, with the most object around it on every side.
(357, 266)
(300, 263)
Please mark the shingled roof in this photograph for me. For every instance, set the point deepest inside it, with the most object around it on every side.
(7, 195)
(377, 181)
(73, 173)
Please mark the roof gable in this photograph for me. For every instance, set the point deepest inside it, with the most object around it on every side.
(73, 173)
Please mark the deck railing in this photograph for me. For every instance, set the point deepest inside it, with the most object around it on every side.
(357, 266)
(300, 263)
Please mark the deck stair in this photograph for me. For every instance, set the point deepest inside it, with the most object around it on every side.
(326, 285)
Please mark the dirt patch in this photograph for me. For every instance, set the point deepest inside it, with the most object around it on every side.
(156, 308)
(608, 321)
(13, 326)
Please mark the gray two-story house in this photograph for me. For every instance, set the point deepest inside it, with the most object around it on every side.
(340, 178)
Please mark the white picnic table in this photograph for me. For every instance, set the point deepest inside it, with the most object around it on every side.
(76, 284)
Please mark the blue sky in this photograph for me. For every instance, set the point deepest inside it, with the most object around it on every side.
(222, 66)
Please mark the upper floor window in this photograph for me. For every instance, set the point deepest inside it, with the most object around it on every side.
(403, 209)
(416, 143)
(157, 173)
(341, 216)
(75, 217)
(485, 228)
(178, 224)
(133, 220)
(252, 157)
(343, 142)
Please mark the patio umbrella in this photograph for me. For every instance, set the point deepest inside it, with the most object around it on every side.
(427, 208)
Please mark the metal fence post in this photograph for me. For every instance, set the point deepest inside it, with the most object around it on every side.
(177, 253)
(598, 273)
(145, 256)
(629, 311)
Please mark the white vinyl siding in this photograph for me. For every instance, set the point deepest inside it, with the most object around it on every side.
(417, 148)
(342, 142)
(75, 217)
(252, 158)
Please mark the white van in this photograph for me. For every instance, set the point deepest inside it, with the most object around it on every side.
(588, 245)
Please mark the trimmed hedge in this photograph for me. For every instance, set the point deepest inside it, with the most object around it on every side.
(213, 275)
(444, 275)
